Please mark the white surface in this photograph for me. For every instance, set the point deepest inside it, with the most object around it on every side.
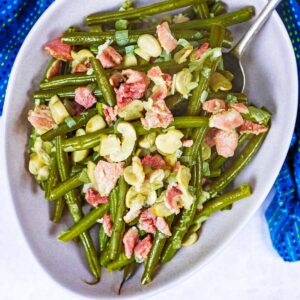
(64, 262)
(247, 269)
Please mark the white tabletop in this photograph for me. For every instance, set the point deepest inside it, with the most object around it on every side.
(248, 268)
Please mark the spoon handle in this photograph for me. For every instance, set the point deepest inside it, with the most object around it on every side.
(255, 27)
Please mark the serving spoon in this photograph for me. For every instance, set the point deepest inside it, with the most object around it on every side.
(233, 59)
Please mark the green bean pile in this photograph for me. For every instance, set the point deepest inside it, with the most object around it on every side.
(136, 119)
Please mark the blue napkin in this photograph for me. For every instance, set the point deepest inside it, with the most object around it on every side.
(283, 214)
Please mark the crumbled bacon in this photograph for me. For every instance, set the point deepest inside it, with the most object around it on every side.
(94, 198)
(153, 161)
(59, 50)
(226, 142)
(251, 127)
(214, 105)
(40, 118)
(85, 97)
(173, 199)
(165, 37)
(109, 57)
(130, 240)
(201, 50)
(110, 113)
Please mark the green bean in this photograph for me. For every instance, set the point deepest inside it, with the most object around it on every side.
(150, 10)
(119, 224)
(93, 139)
(222, 201)
(201, 9)
(105, 256)
(120, 263)
(103, 83)
(84, 223)
(128, 273)
(51, 182)
(186, 218)
(69, 184)
(218, 8)
(91, 38)
(75, 210)
(67, 80)
(53, 177)
(238, 164)
(67, 91)
(214, 173)
(79, 121)
(58, 210)
(103, 239)
(229, 19)
(113, 201)
(219, 161)
(194, 107)
(76, 169)
(154, 255)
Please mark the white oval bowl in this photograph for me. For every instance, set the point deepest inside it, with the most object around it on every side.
(271, 81)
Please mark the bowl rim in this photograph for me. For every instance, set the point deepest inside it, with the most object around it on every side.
(234, 232)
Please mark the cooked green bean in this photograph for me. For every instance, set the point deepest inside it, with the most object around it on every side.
(224, 95)
(64, 128)
(120, 262)
(69, 184)
(128, 273)
(67, 80)
(102, 238)
(150, 10)
(103, 83)
(223, 201)
(229, 19)
(238, 164)
(84, 223)
(218, 8)
(155, 253)
(113, 202)
(119, 224)
(58, 210)
(93, 139)
(75, 211)
(62, 91)
(201, 9)
(91, 38)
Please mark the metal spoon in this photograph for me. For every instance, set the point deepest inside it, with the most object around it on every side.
(233, 59)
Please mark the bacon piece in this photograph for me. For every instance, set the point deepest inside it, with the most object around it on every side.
(157, 116)
(58, 50)
(110, 113)
(201, 50)
(165, 37)
(226, 142)
(173, 199)
(187, 143)
(214, 105)
(250, 127)
(40, 118)
(94, 198)
(143, 248)
(153, 161)
(130, 240)
(109, 57)
(107, 224)
(107, 175)
(159, 78)
(147, 221)
(85, 97)
(240, 107)
(129, 86)
(226, 120)
(210, 137)
(162, 226)
(54, 69)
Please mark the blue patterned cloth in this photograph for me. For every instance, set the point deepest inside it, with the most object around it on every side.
(283, 215)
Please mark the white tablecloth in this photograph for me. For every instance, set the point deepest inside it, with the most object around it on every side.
(248, 268)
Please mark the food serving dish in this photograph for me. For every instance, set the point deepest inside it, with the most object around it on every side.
(269, 90)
